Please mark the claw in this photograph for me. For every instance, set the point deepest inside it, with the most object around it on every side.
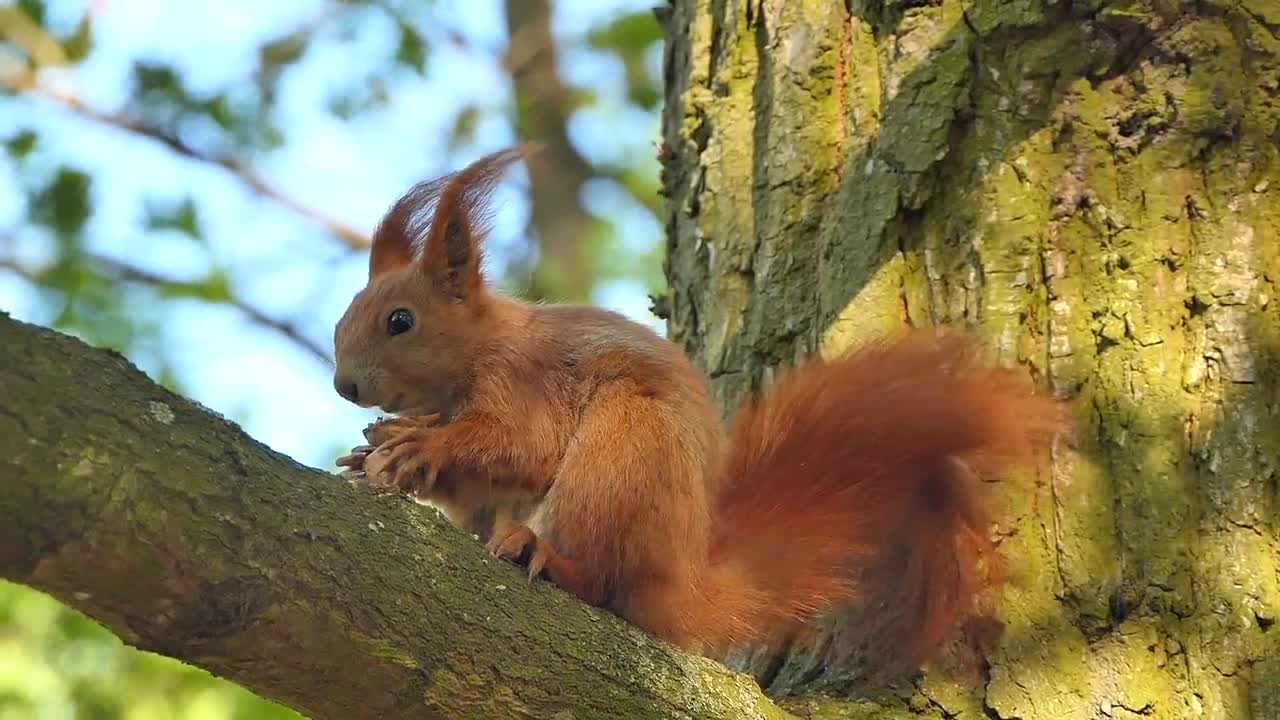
(355, 459)
(513, 542)
(355, 477)
(411, 466)
(537, 561)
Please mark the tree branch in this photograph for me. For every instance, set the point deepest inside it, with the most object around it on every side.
(187, 538)
(21, 80)
(127, 273)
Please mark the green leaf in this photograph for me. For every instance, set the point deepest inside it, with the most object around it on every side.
(411, 51)
(285, 50)
(219, 110)
(215, 288)
(271, 136)
(94, 309)
(21, 144)
(343, 107)
(81, 41)
(371, 94)
(631, 37)
(63, 204)
(182, 217)
(628, 35)
(34, 10)
(159, 80)
(640, 90)
(464, 124)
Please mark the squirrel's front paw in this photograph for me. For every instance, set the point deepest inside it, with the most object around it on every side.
(364, 466)
(519, 544)
(353, 464)
(410, 462)
(354, 460)
(385, 430)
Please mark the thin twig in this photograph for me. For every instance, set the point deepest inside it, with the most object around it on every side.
(20, 80)
(124, 272)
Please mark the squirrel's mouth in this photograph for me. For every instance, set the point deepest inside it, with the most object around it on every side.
(392, 406)
(397, 406)
(415, 411)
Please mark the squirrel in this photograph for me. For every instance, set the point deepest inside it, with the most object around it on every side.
(596, 446)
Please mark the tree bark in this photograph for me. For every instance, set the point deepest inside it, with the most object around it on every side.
(1094, 187)
(187, 538)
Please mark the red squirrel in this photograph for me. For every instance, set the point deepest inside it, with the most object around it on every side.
(598, 445)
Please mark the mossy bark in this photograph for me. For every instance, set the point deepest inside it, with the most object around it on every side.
(1094, 187)
(185, 537)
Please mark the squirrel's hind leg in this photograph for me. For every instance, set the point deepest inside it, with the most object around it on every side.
(629, 504)
(518, 543)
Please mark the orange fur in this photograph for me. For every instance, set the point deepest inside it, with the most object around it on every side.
(597, 446)
(860, 461)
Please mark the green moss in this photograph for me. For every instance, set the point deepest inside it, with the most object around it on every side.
(874, 312)
(988, 16)
(1264, 689)
(817, 707)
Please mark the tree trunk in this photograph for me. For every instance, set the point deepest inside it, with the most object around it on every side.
(1094, 187)
(185, 537)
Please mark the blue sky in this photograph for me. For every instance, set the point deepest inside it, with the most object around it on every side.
(280, 262)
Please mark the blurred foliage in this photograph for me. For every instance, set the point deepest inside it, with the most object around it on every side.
(55, 663)
(87, 281)
(233, 126)
(632, 37)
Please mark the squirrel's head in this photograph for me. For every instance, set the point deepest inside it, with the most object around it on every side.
(409, 339)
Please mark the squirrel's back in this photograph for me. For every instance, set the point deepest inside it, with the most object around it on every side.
(602, 345)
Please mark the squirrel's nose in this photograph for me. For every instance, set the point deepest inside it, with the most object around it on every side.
(347, 388)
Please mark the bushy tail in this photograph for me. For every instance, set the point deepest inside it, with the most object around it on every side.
(849, 481)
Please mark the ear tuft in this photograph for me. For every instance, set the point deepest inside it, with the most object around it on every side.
(455, 245)
(444, 220)
(462, 219)
(396, 239)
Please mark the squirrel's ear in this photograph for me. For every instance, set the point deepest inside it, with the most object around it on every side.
(452, 250)
(404, 225)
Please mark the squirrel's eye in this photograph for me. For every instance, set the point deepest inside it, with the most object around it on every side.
(399, 321)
